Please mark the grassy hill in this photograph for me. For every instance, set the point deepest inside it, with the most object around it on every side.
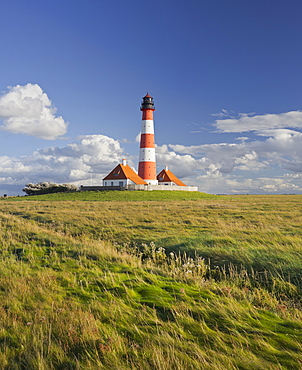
(150, 280)
(124, 196)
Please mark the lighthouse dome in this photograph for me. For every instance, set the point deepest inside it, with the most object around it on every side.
(147, 103)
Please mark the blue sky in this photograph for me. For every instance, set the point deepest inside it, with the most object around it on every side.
(226, 79)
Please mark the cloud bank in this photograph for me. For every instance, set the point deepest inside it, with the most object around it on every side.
(247, 166)
(259, 123)
(79, 162)
(28, 110)
(271, 163)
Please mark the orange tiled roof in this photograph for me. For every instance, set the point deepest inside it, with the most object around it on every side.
(121, 172)
(168, 176)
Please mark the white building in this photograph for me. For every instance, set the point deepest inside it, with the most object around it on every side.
(166, 177)
(123, 175)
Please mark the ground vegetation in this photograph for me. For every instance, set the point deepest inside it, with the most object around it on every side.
(99, 282)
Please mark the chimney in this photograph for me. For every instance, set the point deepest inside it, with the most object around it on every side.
(166, 168)
(124, 162)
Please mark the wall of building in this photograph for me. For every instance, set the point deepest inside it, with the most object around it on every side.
(167, 183)
(162, 187)
(140, 187)
(118, 182)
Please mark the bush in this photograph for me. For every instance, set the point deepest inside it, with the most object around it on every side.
(47, 188)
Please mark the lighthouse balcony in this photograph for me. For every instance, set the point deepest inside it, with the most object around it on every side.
(147, 106)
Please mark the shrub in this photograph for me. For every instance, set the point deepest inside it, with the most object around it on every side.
(47, 188)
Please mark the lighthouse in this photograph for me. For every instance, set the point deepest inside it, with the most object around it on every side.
(123, 177)
(147, 162)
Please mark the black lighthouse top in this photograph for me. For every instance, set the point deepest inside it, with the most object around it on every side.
(147, 103)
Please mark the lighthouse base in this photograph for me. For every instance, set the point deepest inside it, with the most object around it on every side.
(139, 187)
(162, 187)
(151, 182)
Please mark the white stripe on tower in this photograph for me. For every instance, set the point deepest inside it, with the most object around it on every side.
(147, 162)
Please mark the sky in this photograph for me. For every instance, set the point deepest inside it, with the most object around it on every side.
(225, 75)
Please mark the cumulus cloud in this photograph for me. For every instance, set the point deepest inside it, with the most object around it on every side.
(183, 163)
(248, 167)
(260, 185)
(225, 158)
(259, 123)
(217, 167)
(282, 148)
(228, 168)
(92, 153)
(245, 166)
(28, 110)
(89, 158)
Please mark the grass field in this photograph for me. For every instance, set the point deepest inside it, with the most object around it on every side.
(150, 280)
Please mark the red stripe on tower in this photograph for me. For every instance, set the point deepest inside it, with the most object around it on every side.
(147, 163)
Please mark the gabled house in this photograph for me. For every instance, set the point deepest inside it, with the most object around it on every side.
(123, 175)
(166, 177)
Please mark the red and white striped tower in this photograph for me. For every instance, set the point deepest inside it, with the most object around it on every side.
(147, 163)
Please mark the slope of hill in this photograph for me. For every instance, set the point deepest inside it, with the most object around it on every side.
(99, 285)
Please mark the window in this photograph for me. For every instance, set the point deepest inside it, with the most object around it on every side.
(111, 183)
(121, 183)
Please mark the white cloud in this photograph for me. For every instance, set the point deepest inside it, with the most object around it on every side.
(226, 158)
(92, 156)
(259, 123)
(216, 168)
(262, 185)
(125, 141)
(10, 165)
(28, 110)
(246, 166)
(223, 113)
(242, 138)
(219, 168)
(138, 138)
(182, 165)
(282, 149)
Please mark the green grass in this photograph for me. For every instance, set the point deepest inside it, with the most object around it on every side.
(93, 285)
(257, 232)
(157, 195)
